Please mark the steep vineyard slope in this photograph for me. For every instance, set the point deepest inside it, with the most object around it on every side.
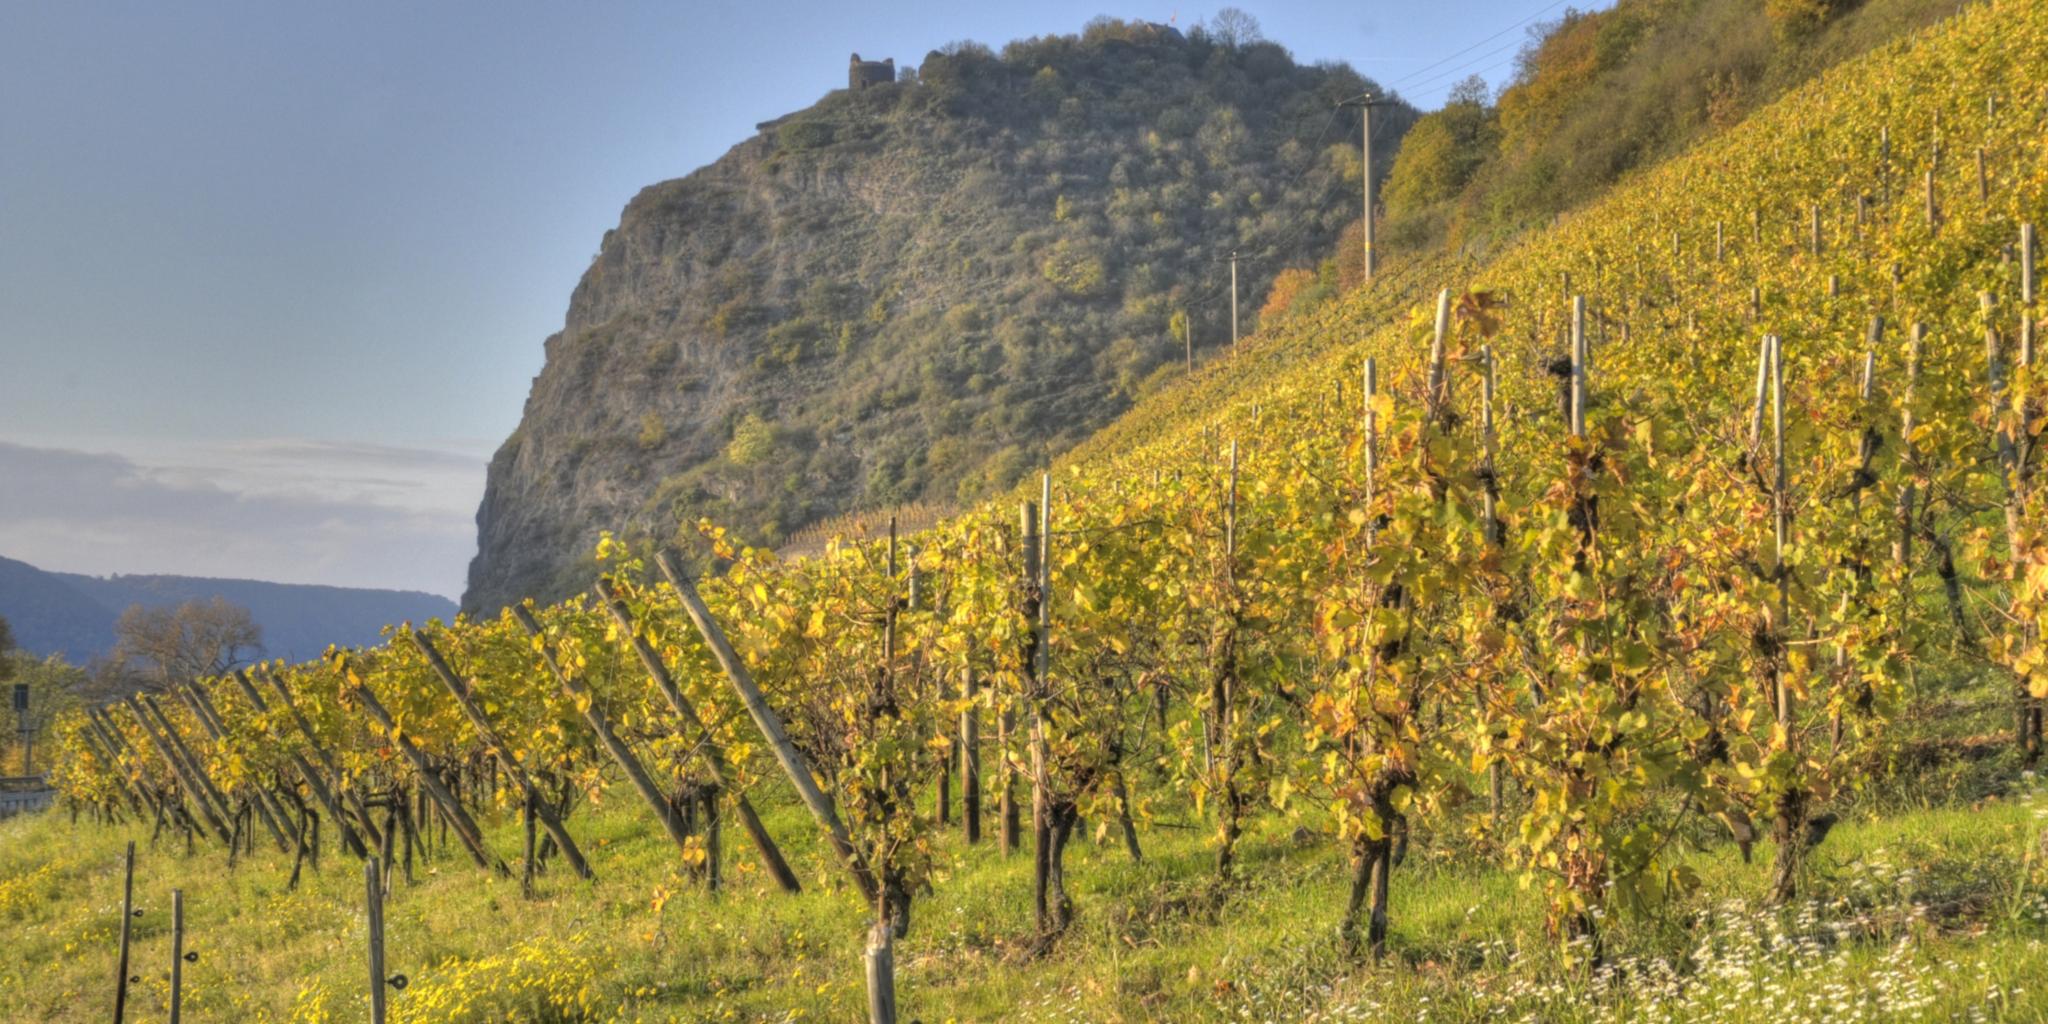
(1645, 255)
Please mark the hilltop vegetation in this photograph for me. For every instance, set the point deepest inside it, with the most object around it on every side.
(1598, 94)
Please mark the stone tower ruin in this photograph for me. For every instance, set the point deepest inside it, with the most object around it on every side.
(863, 73)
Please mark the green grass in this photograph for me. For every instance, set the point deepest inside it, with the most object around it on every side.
(1931, 903)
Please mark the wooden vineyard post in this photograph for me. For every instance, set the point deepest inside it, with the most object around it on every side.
(1791, 816)
(970, 759)
(373, 838)
(1763, 384)
(127, 920)
(1884, 162)
(211, 723)
(2012, 472)
(1780, 512)
(1006, 790)
(2027, 295)
(712, 750)
(1909, 466)
(1225, 687)
(466, 830)
(177, 953)
(204, 783)
(2034, 711)
(314, 782)
(1006, 724)
(914, 601)
(1370, 258)
(160, 803)
(1866, 450)
(585, 701)
(1371, 388)
(880, 960)
(1579, 355)
(1933, 211)
(1439, 381)
(1035, 520)
(1815, 242)
(529, 846)
(770, 727)
(1233, 303)
(1490, 495)
(178, 771)
(1122, 792)
(89, 739)
(373, 907)
(507, 758)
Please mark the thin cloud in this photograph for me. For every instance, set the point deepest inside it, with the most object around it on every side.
(347, 515)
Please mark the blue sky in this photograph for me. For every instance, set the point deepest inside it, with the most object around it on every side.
(306, 253)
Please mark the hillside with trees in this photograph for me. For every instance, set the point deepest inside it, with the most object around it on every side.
(918, 291)
(1598, 94)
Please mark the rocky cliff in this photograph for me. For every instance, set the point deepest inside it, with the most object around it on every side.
(916, 291)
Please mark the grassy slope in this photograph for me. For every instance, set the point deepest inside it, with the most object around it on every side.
(1947, 906)
(1934, 901)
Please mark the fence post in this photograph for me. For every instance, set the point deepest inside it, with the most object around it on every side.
(177, 952)
(821, 805)
(127, 917)
(373, 906)
(714, 754)
(881, 974)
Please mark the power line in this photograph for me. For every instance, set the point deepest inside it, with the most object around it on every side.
(1425, 69)
(1460, 70)
(1465, 70)
(1425, 76)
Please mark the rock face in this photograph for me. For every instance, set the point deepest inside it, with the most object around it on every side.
(913, 291)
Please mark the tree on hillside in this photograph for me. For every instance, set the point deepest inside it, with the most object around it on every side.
(1442, 152)
(191, 641)
(1234, 27)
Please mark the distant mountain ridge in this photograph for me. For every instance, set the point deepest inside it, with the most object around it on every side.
(73, 615)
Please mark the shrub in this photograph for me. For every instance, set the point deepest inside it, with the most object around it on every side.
(797, 136)
(753, 441)
(652, 431)
(1073, 269)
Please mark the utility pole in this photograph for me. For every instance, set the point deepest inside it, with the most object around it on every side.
(27, 730)
(1233, 301)
(1365, 102)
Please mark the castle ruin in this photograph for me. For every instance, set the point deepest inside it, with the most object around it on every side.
(863, 73)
